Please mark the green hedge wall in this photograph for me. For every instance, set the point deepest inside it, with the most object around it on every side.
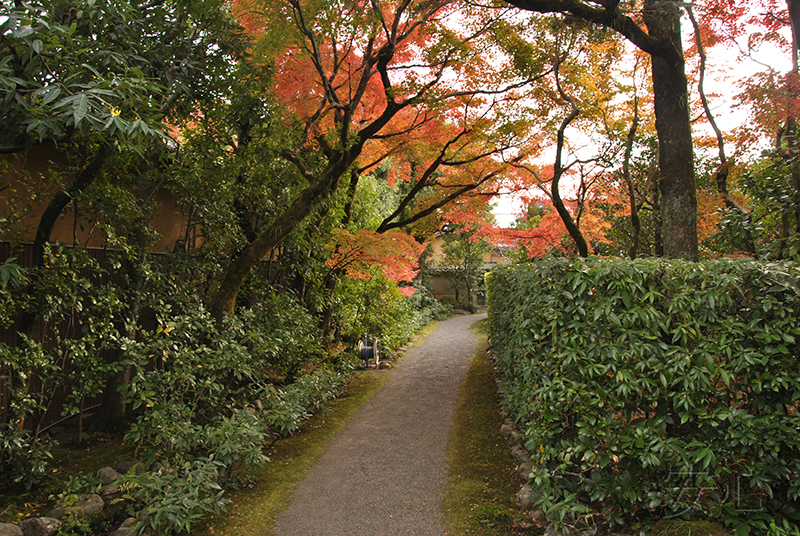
(649, 389)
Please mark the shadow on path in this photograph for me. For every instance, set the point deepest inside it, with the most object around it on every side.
(386, 472)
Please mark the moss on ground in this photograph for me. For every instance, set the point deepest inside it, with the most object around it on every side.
(482, 481)
(687, 528)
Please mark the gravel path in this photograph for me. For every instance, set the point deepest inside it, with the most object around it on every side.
(386, 472)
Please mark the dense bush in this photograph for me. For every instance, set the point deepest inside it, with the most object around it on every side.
(208, 408)
(655, 388)
(378, 307)
(203, 399)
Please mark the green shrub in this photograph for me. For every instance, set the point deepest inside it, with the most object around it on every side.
(23, 457)
(377, 307)
(288, 407)
(655, 388)
(171, 501)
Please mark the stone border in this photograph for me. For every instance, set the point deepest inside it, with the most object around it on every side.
(88, 507)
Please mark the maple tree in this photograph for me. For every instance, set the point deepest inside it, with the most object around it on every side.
(362, 80)
(658, 34)
(396, 254)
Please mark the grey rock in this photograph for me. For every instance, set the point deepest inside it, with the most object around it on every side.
(108, 475)
(524, 496)
(259, 405)
(91, 504)
(129, 523)
(520, 454)
(109, 489)
(40, 526)
(525, 470)
(506, 430)
(515, 436)
(56, 513)
(124, 467)
(9, 529)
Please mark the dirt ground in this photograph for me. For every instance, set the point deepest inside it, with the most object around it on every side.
(386, 472)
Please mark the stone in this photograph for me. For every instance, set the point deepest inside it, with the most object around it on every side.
(525, 470)
(124, 467)
(91, 504)
(56, 513)
(122, 531)
(515, 436)
(109, 489)
(259, 405)
(108, 475)
(129, 523)
(520, 454)
(524, 496)
(506, 430)
(9, 529)
(40, 526)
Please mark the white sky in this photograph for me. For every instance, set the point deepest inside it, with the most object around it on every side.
(722, 95)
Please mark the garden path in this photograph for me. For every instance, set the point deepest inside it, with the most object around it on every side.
(386, 472)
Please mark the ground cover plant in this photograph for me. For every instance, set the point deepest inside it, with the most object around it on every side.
(655, 389)
(482, 481)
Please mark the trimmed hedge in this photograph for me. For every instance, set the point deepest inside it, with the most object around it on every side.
(653, 388)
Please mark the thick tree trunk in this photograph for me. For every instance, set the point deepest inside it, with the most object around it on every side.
(273, 234)
(676, 156)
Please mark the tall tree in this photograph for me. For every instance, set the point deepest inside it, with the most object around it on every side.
(660, 37)
(356, 74)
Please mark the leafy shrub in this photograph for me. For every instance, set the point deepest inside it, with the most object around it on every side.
(428, 308)
(80, 315)
(207, 407)
(288, 407)
(23, 457)
(655, 388)
(377, 307)
(281, 335)
(171, 501)
(12, 277)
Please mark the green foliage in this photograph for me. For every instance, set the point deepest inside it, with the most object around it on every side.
(103, 68)
(377, 307)
(772, 224)
(287, 408)
(463, 263)
(206, 404)
(73, 296)
(281, 335)
(23, 457)
(655, 388)
(173, 500)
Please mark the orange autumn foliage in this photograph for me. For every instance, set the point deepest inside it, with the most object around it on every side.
(395, 253)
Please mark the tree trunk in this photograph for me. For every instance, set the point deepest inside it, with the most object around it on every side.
(273, 234)
(676, 156)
